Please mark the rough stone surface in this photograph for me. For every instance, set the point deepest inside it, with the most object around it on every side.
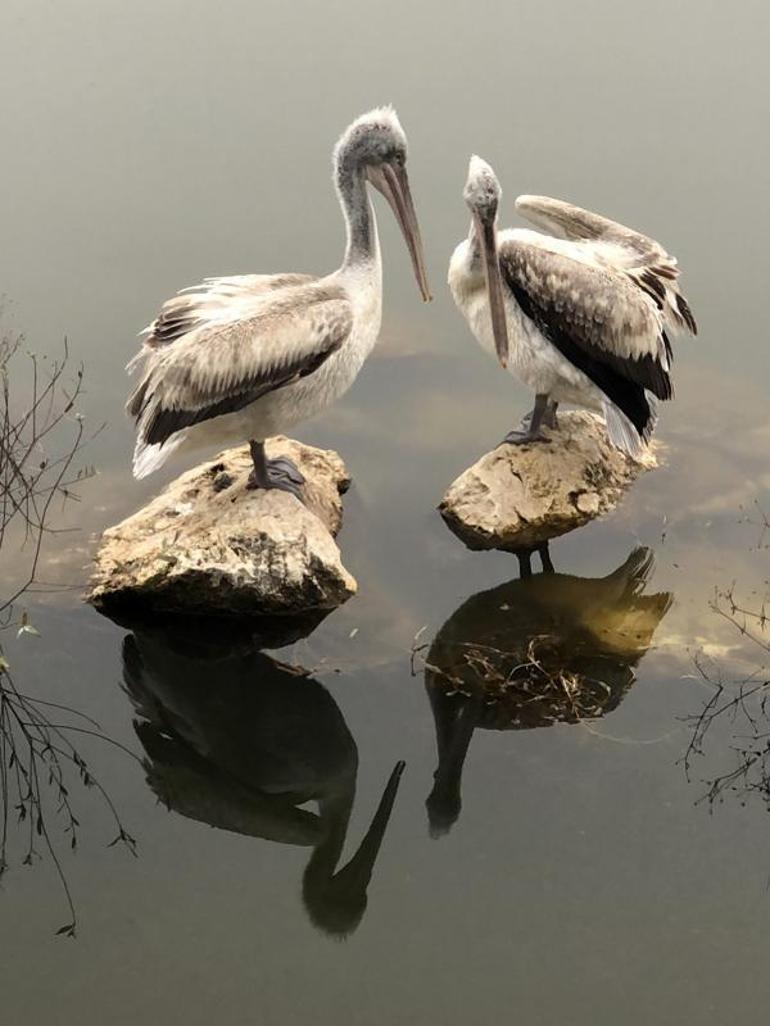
(519, 496)
(208, 545)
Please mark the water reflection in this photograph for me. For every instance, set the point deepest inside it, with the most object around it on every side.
(541, 649)
(241, 741)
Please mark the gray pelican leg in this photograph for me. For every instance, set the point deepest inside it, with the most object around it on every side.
(550, 419)
(532, 433)
(278, 473)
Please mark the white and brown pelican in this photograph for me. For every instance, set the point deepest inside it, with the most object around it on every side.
(580, 315)
(249, 356)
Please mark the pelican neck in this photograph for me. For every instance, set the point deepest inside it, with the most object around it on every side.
(362, 244)
(474, 245)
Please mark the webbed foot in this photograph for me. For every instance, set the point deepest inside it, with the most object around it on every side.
(523, 437)
(283, 466)
(280, 473)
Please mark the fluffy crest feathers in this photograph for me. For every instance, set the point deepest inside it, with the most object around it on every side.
(379, 125)
(482, 189)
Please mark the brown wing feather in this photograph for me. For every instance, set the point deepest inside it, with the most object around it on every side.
(224, 366)
(596, 319)
(192, 307)
(642, 259)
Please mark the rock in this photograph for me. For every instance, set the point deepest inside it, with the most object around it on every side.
(519, 496)
(208, 545)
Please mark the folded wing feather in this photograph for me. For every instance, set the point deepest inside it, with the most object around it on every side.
(222, 363)
(224, 298)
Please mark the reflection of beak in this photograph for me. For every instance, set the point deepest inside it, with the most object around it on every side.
(485, 227)
(357, 873)
(392, 181)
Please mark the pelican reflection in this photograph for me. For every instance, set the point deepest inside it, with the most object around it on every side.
(241, 741)
(537, 650)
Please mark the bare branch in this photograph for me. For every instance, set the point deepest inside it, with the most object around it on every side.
(41, 768)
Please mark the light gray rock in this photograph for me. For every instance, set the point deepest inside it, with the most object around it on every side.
(208, 545)
(519, 496)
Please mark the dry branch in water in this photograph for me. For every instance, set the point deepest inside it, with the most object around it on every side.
(39, 762)
(535, 685)
(743, 704)
(41, 436)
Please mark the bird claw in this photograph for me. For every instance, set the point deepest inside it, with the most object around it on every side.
(282, 475)
(517, 437)
(282, 466)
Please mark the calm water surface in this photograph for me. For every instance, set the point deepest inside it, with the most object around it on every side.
(556, 875)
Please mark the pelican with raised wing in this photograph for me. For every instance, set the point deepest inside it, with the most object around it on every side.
(582, 315)
(249, 356)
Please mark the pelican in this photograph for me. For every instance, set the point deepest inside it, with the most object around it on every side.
(249, 356)
(581, 315)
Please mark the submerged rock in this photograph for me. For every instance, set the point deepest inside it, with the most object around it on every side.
(209, 545)
(519, 496)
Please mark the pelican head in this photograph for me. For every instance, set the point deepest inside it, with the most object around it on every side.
(376, 144)
(482, 193)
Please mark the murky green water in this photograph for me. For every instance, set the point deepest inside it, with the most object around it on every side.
(571, 876)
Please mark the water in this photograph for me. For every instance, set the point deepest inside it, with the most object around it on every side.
(580, 882)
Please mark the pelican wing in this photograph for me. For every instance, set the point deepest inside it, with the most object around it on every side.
(595, 317)
(214, 299)
(225, 362)
(611, 244)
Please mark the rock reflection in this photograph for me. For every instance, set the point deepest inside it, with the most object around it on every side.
(241, 741)
(542, 649)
